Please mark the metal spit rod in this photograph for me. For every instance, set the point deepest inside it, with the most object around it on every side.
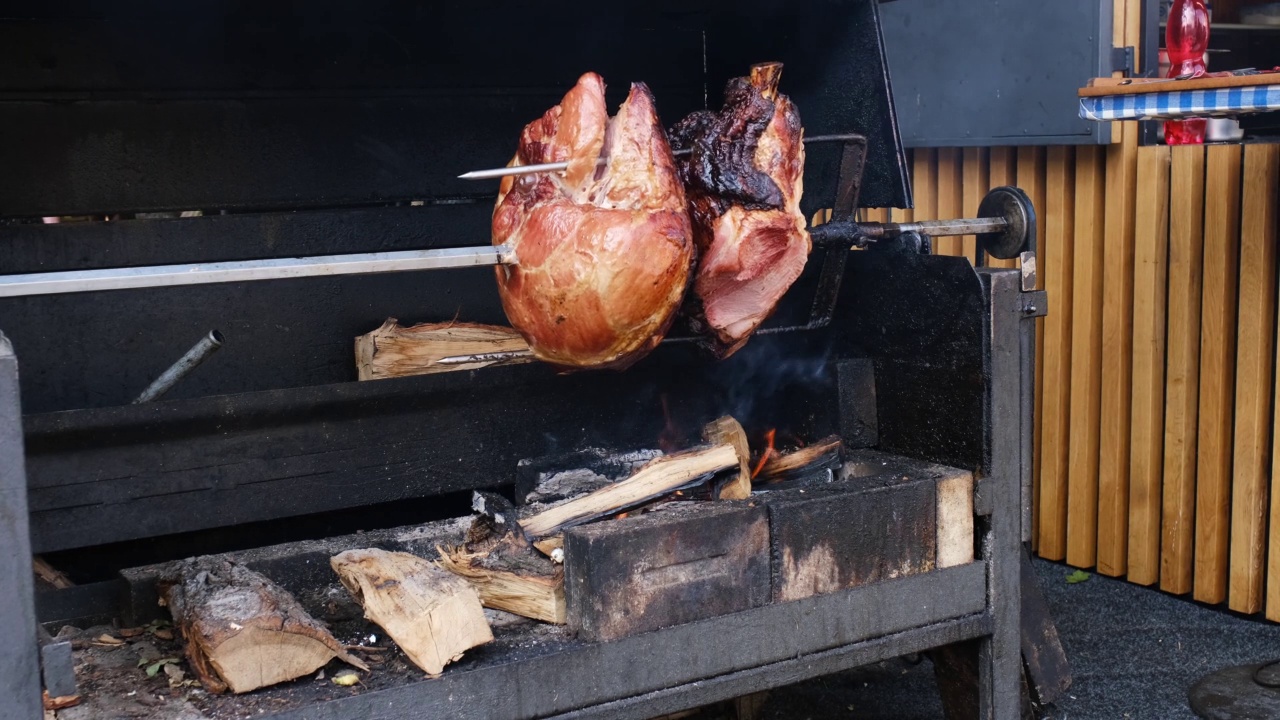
(78, 281)
(494, 173)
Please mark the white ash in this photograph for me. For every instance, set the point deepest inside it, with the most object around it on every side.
(555, 486)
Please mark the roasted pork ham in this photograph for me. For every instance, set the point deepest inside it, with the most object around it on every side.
(604, 251)
(744, 175)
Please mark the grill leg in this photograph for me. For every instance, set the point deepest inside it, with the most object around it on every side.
(19, 665)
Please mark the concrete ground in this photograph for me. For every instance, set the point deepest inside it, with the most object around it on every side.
(1134, 653)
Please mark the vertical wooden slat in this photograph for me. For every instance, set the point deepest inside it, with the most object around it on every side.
(975, 185)
(1260, 219)
(1001, 170)
(1146, 433)
(1117, 352)
(924, 173)
(1217, 371)
(1254, 357)
(949, 197)
(1059, 234)
(1182, 366)
(1086, 357)
(1030, 176)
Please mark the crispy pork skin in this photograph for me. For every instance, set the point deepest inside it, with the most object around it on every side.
(604, 252)
(744, 175)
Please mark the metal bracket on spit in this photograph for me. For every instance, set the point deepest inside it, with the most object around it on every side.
(853, 161)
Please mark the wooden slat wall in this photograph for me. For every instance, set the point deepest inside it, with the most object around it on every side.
(1156, 434)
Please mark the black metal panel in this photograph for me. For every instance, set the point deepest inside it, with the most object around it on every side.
(102, 349)
(836, 73)
(996, 72)
(787, 672)
(920, 318)
(126, 106)
(19, 661)
(112, 474)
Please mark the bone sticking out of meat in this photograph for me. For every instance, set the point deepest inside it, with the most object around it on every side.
(605, 252)
(434, 616)
(242, 631)
(744, 175)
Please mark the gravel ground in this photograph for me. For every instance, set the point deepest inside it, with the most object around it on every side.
(1134, 653)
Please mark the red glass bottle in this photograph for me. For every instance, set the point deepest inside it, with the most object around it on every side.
(1186, 38)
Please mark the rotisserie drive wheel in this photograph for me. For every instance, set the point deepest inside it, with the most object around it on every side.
(744, 175)
(605, 250)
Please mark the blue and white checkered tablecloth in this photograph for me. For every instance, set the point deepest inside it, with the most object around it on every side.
(1181, 104)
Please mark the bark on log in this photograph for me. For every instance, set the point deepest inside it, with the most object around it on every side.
(432, 615)
(395, 351)
(242, 631)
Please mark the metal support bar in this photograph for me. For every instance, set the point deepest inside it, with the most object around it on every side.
(77, 281)
(19, 661)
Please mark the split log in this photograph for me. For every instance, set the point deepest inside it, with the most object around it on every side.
(242, 631)
(503, 567)
(394, 351)
(49, 574)
(432, 615)
(727, 431)
(659, 477)
(822, 455)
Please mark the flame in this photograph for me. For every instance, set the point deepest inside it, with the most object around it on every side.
(768, 453)
(669, 438)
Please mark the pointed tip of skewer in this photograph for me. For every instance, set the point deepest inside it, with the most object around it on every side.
(468, 175)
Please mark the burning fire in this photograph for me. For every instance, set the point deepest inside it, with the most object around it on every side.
(669, 438)
(768, 453)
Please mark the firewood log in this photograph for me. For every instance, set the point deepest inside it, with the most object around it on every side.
(661, 476)
(432, 615)
(727, 431)
(395, 351)
(504, 567)
(241, 631)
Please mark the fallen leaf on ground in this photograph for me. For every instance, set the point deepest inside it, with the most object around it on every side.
(106, 639)
(1078, 576)
(346, 678)
(155, 667)
(175, 674)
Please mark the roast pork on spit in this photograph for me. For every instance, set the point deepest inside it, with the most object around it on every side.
(604, 251)
(744, 175)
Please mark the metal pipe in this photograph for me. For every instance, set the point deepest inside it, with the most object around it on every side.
(180, 369)
(78, 281)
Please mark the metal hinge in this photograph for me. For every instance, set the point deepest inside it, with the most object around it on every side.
(1122, 60)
